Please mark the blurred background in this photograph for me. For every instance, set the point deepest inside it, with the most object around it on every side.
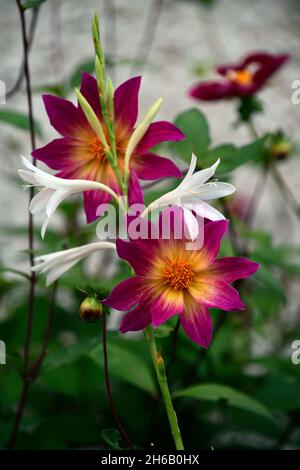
(173, 44)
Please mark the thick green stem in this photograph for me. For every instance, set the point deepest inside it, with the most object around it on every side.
(159, 366)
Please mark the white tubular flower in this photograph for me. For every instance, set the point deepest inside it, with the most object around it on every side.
(54, 190)
(56, 264)
(192, 193)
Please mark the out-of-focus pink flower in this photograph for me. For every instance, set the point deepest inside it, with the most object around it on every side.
(172, 280)
(79, 154)
(240, 80)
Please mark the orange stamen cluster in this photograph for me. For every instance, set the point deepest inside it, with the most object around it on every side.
(96, 149)
(178, 274)
(243, 77)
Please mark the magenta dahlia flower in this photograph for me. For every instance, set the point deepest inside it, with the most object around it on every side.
(79, 154)
(240, 80)
(172, 280)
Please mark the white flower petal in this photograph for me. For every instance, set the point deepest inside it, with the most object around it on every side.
(208, 212)
(201, 176)
(40, 200)
(191, 223)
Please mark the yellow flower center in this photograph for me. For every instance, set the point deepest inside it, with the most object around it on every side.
(242, 77)
(178, 274)
(96, 149)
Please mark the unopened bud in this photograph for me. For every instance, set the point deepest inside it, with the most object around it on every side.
(279, 146)
(91, 310)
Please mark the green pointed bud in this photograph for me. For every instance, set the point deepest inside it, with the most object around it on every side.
(279, 146)
(140, 131)
(91, 310)
(96, 35)
(92, 119)
(110, 98)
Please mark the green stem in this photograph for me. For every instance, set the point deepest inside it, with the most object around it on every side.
(159, 366)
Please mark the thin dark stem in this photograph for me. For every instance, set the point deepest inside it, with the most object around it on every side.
(148, 36)
(285, 190)
(26, 381)
(32, 27)
(233, 233)
(108, 386)
(35, 369)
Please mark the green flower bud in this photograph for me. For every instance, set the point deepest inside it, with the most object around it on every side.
(91, 310)
(279, 146)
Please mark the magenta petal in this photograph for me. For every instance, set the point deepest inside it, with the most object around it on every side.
(139, 253)
(158, 132)
(125, 294)
(58, 154)
(63, 115)
(92, 200)
(89, 89)
(138, 319)
(152, 167)
(219, 294)
(198, 325)
(126, 102)
(135, 194)
(209, 91)
(162, 310)
(213, 234)
(232, 268)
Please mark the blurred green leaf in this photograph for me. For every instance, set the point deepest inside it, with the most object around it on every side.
(32, 3)
(18, 119)
(195, 127)
(112, 437)
(126, 364)
(280, 393)
(215, 392)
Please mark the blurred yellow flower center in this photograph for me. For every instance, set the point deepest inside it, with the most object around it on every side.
(96, 149)
(242, 77)
(178, 274)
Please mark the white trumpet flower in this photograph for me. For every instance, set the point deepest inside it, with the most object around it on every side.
(191, 195)
(56, 264)
(54, 190)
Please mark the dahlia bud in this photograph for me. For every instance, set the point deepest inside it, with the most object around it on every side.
(91, 310)
(279, 147)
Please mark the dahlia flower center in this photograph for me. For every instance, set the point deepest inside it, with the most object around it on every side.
(96, 149)
(178, 274)
(242, 77)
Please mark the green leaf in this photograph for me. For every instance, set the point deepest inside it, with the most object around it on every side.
(195, 127)
(32, 4)
(232, 157)
(216, 392)
(112, 437)
(19, 120)
(126, 364)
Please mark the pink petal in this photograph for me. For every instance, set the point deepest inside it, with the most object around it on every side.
(158, 132)
(58, 154)
(152, 167)
(166, 306)
(63, 115)
(138, 253)
(232, 268)
(126, 102)
(125, 294)
(209, 91)
(89, 89)
(213, 234)
(138, 319)
(216, 294)
(197, 323)
(135, 194)
(92, 200)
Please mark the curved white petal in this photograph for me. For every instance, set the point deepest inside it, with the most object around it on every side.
(191, 223)
(201, 176)
(207, 191)
(40, 201)
(208, 212)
